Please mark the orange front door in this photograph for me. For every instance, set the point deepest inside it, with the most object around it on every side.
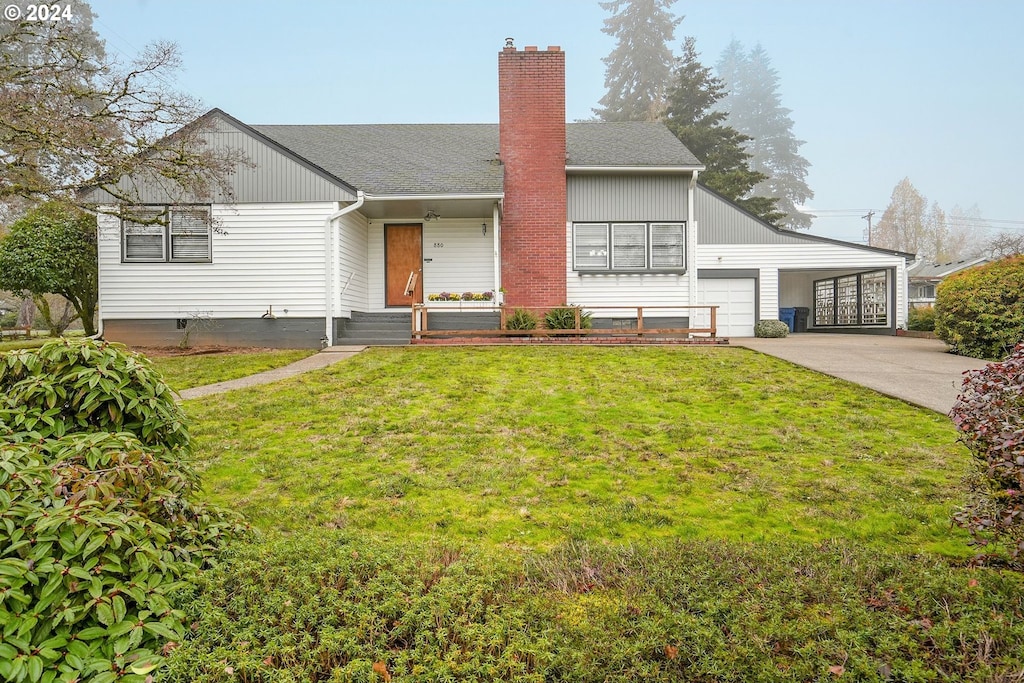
(403, 257)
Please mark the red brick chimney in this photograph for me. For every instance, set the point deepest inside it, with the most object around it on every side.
(531, 93)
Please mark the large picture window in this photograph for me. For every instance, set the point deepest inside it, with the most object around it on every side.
(629, 247)
(860, 299)
(166, 234)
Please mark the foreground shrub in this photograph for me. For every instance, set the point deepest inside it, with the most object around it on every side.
(980, 312)
(100, 528)
(771, 328)
(921, 319)
(564, 318)
(521, 319)
(70, 386)
(330, 606)
(989, 413)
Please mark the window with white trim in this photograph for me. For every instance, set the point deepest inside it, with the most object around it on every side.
(166, 234)
(629, 247)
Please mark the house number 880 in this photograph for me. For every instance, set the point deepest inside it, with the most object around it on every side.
(438, 245)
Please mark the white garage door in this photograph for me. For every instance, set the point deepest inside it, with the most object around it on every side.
(735, 299)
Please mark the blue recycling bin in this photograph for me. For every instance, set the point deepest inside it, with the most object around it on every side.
(788, 316)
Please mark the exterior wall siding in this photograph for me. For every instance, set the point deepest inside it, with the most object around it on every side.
(271, 176)
(465, 262)
(263, 255)
(722, 223)
(601, 198)
(458, 258)
(353, 273)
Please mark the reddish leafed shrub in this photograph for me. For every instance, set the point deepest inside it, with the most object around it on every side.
(989, 414)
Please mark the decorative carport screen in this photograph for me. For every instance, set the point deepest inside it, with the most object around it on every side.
(860, 299)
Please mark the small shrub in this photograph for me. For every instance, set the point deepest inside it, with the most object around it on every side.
(921, 319)
(521, 319)
(100, 527)
(989, 414)
(564, 318)
(980, 312)
(771, 329)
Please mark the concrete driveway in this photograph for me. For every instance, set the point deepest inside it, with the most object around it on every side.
(918, 371)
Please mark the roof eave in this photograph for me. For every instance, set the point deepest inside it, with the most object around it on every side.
(578, 168)
(431, 196)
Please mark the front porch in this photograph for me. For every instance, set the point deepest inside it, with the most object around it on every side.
(433, 323)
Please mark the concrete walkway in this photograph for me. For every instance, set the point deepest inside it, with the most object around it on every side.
(328, 356)
(918, 371)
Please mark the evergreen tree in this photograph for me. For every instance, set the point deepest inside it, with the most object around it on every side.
(692, 117)
(639, 69)
(52, 250)
(754, 108)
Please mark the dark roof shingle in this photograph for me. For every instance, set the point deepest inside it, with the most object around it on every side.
(390, 159)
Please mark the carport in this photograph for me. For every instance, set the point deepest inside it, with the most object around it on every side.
(846, 287)
(851, 300)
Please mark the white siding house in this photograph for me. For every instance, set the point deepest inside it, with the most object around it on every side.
(331, 225)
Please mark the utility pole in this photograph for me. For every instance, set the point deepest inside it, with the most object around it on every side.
(868, 217)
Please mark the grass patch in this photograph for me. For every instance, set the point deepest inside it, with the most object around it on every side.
(345, 607)
(196, 370)
(536, 447)
(589, 514)
(15, 344)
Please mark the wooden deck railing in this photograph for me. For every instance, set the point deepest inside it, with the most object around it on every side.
(421, 321)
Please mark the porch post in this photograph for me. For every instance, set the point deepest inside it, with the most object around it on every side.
(496, 220)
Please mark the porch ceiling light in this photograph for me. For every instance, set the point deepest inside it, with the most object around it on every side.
(431, 215)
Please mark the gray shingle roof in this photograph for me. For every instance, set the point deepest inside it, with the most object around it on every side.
(630, 143)
(389, 159)
(931, 270)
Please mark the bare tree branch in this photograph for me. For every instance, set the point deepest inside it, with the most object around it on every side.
(73, 119)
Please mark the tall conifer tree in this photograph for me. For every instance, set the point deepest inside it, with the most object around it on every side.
(754, 108)
(639, 69)
(692, 116)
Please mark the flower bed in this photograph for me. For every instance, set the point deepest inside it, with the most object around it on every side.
(465, 296)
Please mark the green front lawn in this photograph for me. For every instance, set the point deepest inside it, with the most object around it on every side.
(589, 514)
(186, 371)
(533, 447)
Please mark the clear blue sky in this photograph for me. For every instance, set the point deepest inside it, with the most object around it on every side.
(930, 89)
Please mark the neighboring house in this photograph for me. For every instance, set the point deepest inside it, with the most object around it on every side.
(923, 278)
(323, 233)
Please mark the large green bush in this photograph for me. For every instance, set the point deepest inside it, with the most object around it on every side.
(99, 525)
(980, 312)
